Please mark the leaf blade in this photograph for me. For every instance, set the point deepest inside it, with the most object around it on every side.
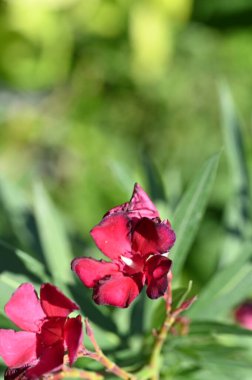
(228, 287)
(190, 211)
(53, 237)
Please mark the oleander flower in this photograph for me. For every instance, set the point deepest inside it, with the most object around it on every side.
(243, 314)
(137, 241)
(46, 332)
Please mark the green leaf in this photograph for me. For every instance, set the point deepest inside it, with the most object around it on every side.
(189, 212)
(154, 179)
(234, 142)
(159, 314)
(53, 237)
(16, 261)
(214, 328)
(238, 208)
(33, 266)
(179, 295)
(227, 288)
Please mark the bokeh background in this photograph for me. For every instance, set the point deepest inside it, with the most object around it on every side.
(98, 94)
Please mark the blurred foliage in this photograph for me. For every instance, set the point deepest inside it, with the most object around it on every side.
(98, 94)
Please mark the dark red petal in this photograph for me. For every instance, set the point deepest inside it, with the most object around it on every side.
(73, 337)
(140, 204)
(50, 360)
(17, 348)
(90, 270)
(117, 209)
(117, 291)
(52, 331)
(112, 236)
(156, 270)
(15, 373)
(151, 237)
(24, 308)
(55, 303)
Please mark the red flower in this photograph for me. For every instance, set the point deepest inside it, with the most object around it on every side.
(243, 315)
(134, 238)
(47, 332)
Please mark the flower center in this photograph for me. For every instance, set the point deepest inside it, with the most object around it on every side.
(133, 265)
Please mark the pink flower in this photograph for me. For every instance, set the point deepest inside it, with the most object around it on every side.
(134, 238)
(46, 334)
(243, 315)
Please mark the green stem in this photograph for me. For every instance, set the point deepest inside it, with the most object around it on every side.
(155, 361)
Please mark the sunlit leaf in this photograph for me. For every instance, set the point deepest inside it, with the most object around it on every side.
(53, 237)
(228, 287)
(238, 207)
(190, 210)
(214, 328)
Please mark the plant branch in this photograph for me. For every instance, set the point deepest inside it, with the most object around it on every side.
(75, 373)
(172, 316)
(99, 356)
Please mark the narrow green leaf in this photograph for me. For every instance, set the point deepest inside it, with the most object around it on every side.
(53, 237)
(214, 328)
(179, 295)
(234, 141)
(227, 288)
(33, 265)
(156, 186)
(190, 210)
(238, 208)
(158, 315)
(16, 261)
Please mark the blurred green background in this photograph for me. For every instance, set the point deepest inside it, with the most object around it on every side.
(98, 94)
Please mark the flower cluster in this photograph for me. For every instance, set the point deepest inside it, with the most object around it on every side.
(47, 332)
(135, 239)
(137, 242)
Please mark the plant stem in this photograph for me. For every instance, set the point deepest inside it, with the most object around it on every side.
(99, 356)
(75, 373)
(155, 360)
(172, 316)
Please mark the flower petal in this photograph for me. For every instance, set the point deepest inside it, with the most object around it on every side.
(54, 302)
(150, 237)
(112, 236)
(17, 348)
(14, 373)
(51, 360)
(73, 337)
(156, 270)
(90, 271)
(117, 209)
(52, 332)
(24, 308)
(140, 204)
(118, 290)
(243, 314)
